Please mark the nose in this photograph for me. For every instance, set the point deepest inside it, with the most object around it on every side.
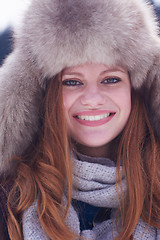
(92, 97)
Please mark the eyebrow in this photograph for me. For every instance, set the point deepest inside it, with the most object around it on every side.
(73, 73)
(113, 70)
(116, 69)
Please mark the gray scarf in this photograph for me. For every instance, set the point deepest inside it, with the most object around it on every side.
(94, 183)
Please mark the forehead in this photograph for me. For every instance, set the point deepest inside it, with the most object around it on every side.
(98, 67)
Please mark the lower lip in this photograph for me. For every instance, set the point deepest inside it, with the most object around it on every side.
(94, 123)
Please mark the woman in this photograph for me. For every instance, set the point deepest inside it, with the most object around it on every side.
(79, 108)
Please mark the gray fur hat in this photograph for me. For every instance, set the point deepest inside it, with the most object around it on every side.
(56, 34)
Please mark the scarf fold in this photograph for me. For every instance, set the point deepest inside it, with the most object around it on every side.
(94, 182)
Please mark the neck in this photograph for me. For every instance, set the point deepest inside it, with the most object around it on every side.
(92, 151)
(108, 150)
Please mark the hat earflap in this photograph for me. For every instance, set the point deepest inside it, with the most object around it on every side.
(151, 94)
(20, 95)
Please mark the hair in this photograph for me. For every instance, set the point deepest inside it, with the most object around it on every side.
(45, 169)
(139, 154)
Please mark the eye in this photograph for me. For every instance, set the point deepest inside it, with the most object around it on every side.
(71, 82)
(111, 80)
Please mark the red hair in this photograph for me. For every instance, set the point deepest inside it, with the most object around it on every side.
(139, 154)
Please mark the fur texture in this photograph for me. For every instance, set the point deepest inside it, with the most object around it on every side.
(60, 33)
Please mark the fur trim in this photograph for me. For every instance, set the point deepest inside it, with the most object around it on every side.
(60, 33)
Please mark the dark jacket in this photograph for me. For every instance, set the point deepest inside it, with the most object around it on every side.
(3, 227)
(3, 214)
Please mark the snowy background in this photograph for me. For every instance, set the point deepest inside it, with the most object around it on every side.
(11, 12)
(157, 2)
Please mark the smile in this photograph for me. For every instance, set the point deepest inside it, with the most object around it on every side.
(93, 118)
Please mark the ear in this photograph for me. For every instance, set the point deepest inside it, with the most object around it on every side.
(152, 95)
(20, 96)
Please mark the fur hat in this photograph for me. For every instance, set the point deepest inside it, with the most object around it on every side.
(56, 34)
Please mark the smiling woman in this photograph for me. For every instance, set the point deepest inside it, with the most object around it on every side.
(97, 102)
(79, 114)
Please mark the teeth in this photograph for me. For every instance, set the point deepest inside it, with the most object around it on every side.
(94, 118)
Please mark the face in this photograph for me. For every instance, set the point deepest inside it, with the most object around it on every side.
(97, 103)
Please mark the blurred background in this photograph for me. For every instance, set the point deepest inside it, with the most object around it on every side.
(11, 12)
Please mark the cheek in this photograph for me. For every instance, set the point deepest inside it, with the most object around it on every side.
(123, 100)
(69, 100)
(67, 103)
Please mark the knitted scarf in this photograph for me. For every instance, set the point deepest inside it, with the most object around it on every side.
(94, 183)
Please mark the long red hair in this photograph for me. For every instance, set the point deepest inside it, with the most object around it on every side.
(139, 154)
(45, 168)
